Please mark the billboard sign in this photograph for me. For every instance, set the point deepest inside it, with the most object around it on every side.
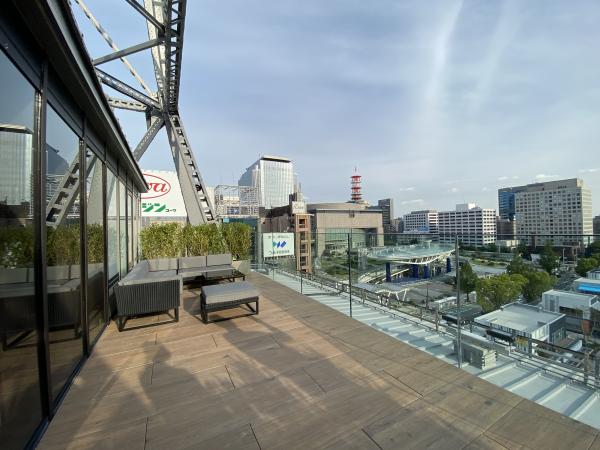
(298, 208)
(163, 198)
(278, 244)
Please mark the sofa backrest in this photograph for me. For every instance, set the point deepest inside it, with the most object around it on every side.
(218, 260)
(192, 262)
(10, 276)
(139, 271)
(154, 265)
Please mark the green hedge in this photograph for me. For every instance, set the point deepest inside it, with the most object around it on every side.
(63, 245)
(171, 240)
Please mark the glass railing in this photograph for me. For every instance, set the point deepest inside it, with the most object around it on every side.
(531, 283)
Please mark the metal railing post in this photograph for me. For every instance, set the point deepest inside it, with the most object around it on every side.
(458, 318)
(350, 271)
(301, 282)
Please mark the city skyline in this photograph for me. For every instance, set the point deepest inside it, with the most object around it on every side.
(435, 104)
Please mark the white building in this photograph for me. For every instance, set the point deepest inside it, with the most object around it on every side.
(559, 208)
(518, 319)
(472, 224)
(273, 176)
(425, 221)
(570, 303)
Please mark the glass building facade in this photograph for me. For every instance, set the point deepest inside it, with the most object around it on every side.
(273, 176)
(69, 214)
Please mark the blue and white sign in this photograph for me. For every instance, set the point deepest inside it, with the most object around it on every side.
(278, 244)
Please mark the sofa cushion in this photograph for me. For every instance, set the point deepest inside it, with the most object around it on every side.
(220, 294)
(219, 268)
(192, 262)
(155, 265)
(161, 274)
(218, 260)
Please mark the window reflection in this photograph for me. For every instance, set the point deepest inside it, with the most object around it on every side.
(62, 249)
(112, 224)
(95, 246)
(123, 227)
(20, 403)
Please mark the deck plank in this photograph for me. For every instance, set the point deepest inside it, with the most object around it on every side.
(298, 375)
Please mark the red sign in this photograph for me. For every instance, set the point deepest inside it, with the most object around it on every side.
(157, 186)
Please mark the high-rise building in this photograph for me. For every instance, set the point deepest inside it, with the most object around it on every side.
(424, 221)
(472, 224)
(506, 201)
(273, 177)
(556, 211)
(506, 228)
(387, 209)
(596, 226)
(397, 225)
(15, 164)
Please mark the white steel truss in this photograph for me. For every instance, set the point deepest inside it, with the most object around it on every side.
(165, 21)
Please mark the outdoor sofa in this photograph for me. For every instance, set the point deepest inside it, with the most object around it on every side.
(18, 299)
(155, 285)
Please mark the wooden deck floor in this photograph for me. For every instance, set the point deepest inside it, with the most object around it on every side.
(299, 375)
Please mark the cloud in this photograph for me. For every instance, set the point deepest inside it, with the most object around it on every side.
(594, 170)
(503, 178)
(543, 176)
(406, 189)
(515, 177)
(453, 190)
(485, 189)
(412, 202)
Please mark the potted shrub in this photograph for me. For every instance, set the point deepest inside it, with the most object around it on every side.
(238, 238)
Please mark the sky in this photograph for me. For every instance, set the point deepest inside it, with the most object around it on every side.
(433, 102)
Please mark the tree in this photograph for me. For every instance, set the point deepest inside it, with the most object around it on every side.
(517, 266)
(537, 283)
(523, 250)
(584, 265)
(468, 279)
(593, 250)
(496, 291)
(549, 259)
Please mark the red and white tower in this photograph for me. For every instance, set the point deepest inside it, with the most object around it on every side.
(356, 194)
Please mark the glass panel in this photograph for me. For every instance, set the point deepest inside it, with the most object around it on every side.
(130, 229)
(20, 404)
(112, 224)
(62, 250)
(136, 226)
(123, 227)
(95, 247)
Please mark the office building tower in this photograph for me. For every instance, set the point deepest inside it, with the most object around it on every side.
(15, 164)
(425, 221)
(506, 201)
(596, 227)
(472, 225)
(273, 177)
(556, 211)
(387, 209)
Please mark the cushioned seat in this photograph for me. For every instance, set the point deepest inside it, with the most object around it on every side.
(228, 295)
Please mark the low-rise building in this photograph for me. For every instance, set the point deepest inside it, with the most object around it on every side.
(527, 321)
(424, 221)
(332, 222)
(576, 306)
(589, 284)
(472, 224)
